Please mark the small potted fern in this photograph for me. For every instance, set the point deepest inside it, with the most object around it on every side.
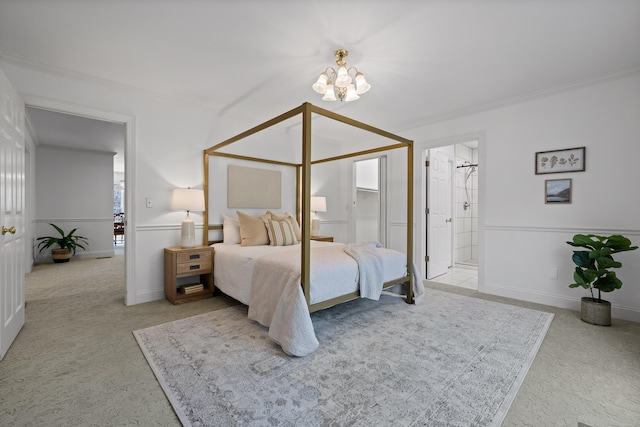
(67, 244)
(593, 272)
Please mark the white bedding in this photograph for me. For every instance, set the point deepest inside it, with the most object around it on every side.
(273, 293)
(233, 269)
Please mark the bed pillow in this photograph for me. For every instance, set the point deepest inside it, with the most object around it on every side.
(292, 219)
(252, 230)
(280, 232)
(231, 230)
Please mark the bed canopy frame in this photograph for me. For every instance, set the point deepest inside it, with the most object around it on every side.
(303, 188)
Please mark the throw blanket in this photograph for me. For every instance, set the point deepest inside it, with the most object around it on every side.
(277, 301)
(369, 269)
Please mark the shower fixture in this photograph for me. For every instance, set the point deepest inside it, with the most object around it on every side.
(473, 167)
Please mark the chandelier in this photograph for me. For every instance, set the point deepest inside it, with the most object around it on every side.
(332, 83)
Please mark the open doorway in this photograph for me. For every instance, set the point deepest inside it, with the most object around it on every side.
(82, 141)
(451, 189)
(369, 200)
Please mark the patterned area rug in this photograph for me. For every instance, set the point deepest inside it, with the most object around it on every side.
(453, 360)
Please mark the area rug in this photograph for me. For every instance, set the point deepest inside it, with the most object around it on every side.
(454, 361)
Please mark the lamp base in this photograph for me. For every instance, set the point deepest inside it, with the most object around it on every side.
(188, 234)
(315, 226)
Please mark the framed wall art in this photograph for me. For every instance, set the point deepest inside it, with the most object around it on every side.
(557, 191)
(557, 161)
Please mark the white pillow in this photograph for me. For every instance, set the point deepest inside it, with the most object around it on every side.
(280, 232)
(231, 230)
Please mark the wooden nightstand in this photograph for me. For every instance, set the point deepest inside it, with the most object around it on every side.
(182, 263)
(322, 238)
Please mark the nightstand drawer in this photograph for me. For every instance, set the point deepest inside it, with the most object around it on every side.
(195, 256)
(193, 267)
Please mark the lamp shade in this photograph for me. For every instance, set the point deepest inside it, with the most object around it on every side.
(187, 199)
(361, 84)
(321, 85)
(329, 94)
(319, 204)
(351, 93)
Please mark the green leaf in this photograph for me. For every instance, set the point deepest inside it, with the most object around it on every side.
(608, 283)
(607, 262)
(581, 259)
(620, 243)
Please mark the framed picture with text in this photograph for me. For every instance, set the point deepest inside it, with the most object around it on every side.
(558, 161)
(557, 191)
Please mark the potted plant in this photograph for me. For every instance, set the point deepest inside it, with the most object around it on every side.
(593, 272)
(67, 244)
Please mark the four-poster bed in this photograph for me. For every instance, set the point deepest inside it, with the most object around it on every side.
(300, 293)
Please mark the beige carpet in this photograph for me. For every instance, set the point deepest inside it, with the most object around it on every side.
(76, 362)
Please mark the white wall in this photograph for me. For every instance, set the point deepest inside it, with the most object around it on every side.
(74, 190)
(522, 239)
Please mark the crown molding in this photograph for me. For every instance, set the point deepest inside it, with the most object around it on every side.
(74, 75)
(520, 98)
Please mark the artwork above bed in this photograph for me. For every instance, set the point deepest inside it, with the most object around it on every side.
(253, 188)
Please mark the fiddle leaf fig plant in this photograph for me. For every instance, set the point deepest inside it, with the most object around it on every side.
(593, 265)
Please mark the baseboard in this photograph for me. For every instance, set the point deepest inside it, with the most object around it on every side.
(560, 301)
(148, 296)
(80, 254)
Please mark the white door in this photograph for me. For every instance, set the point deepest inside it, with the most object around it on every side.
(438, 214)
(12, 194)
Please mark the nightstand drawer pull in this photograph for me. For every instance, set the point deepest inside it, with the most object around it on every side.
(194, 267)
(194, 256)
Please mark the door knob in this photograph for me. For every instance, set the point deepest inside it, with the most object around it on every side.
(448, 220)
(6, 230)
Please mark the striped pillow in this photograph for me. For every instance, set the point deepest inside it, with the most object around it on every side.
(280, 232)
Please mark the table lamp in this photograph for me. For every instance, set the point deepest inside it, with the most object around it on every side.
(187, 199)
(318, 204)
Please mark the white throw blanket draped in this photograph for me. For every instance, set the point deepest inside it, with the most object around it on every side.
(277, 301)
(371, 275)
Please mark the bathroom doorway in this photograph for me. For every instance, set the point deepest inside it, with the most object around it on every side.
(451, 240)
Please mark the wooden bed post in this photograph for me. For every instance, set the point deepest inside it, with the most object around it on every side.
(306, 202)
(410, 298)
(205, 214)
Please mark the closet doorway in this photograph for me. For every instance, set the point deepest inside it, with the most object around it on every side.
(369, 214)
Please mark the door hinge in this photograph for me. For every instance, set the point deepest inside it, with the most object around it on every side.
(426, 258)
(426, 211)
(426, 163)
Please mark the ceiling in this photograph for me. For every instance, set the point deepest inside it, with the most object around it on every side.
(251, 60)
